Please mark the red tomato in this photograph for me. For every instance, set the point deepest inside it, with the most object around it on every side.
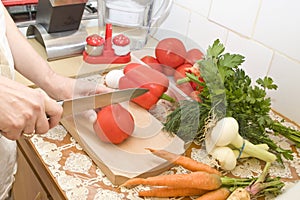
(186, 88)
(193, 55)
(170, 52)
(114, 124)
(131, 66)
(152, 62)
(168, 71)
(181, 70)
(179, 74)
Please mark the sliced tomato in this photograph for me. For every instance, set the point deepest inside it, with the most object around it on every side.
(195, 95)
(181, 71)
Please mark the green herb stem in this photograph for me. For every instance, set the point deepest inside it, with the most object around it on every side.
(291, 134)
(167, 98)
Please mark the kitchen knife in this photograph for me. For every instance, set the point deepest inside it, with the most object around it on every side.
(84, 103)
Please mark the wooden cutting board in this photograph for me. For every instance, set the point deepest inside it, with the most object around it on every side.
(128, 159)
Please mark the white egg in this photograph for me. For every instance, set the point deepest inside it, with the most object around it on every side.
(112, 78)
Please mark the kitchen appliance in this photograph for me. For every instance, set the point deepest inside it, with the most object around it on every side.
(58, 27)
(135, 18)
(60, 15)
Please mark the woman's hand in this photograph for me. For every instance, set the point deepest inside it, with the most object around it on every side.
(68, 88)
(24, 110)
(61, 88)
(83, 88)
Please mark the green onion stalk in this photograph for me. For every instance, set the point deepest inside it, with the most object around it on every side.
(256, 187)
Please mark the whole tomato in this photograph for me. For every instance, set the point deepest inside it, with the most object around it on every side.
(193, 55)
(170, 52)
(114, 124)
(152, 62)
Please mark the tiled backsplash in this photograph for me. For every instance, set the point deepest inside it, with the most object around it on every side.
(266, 32)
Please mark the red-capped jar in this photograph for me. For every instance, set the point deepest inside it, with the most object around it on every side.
(121, 44)
(94, 45)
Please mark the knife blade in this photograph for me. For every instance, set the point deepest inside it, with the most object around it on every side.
(81, 104)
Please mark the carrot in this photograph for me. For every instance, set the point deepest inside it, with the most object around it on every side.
(218, 194)
(171, 192)
(184, 161)
(199, 180)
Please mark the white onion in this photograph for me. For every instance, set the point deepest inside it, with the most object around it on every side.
(112, 78)
(225, 157)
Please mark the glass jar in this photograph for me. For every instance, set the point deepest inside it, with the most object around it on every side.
(133, 18)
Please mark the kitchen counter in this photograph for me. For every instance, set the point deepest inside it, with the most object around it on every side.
(62, 170)
(55, 166)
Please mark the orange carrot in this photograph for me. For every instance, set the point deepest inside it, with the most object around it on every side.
(171, 192)
(219, 194)
(184, 161)
(199, 180)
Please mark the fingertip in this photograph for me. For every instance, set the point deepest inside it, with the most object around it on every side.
(91, 115)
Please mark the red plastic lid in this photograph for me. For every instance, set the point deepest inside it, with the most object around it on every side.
(121, 40)
(18, 2)
(95, 40)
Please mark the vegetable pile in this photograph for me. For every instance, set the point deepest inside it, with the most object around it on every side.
(228, 92)
(204, 181)
(226, 133)
(174, 60)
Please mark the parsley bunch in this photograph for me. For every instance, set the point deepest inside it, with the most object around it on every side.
(228, 92)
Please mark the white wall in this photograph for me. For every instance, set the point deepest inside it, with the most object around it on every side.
(266, 32)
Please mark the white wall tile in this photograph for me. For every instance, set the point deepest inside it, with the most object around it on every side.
(253, 28)
(199, 6)
(236, 15)
(285, 99)
(204, 32)
(257, 56)
(175, 25)
(278, 26)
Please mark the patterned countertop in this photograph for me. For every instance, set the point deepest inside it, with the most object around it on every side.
(79, 178)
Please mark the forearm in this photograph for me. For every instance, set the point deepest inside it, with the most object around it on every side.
(32, 66)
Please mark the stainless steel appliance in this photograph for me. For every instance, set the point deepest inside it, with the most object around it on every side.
(58, 27)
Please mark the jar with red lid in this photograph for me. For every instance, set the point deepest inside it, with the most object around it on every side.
(121, 44)
(94, 45)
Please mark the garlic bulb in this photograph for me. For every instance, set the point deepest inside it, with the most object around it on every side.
(225, 157)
